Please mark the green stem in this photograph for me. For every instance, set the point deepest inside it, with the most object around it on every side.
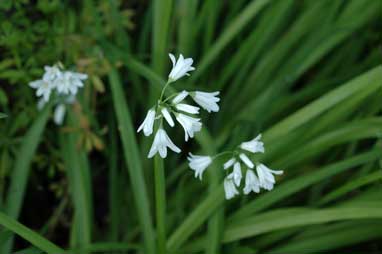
(160, 204)
(164, 89)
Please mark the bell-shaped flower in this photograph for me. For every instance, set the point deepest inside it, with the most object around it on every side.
(180, 68)
(167, 116)
(51, 73)
(187, 108)
(160, 144)
(236, 174)
(253, 146)
(246, 160)
(229, 188)
(199, 164)
(266, 177)
(189, 124)
(229, 163)
(148, 124)
(59, 114)
(251, 182)
(208, 101)
(69, 82)
(180, 97)
(43, 88)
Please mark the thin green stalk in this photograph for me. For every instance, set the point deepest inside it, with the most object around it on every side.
(160, 204)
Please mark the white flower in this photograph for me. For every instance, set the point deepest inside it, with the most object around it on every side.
(180, 97)
(246, 160)
(51, 73)
(180, 67)
(189, 124)
(251, 182)
(236, 174)
(199, 164)
(254, 146)
(229, 163)
(160, 144)
(168, 117)
(187, 108)
(208, 101)
(266, 178)
(43, 88)
(229, 188)
(59, 114)
(148, 123)
(69, 82)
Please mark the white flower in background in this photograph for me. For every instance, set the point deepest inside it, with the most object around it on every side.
(266, 178)
(199, 164)
(236, 174)
(168, 117)
(229, 188)
(229, 163)
(251, 182)
(187, 108)
(246, 160)
(181, 96)
(59, 114)
(69, 82)
(51, 73)
(208, 101)
(160, 144)
(43, 88)
(253, 146)
(180, 68)
(189, 124)
(148, 124)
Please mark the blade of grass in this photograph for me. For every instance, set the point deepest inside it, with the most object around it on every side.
(20, 172)
(133, 163)
(295, 217)
(29, 235)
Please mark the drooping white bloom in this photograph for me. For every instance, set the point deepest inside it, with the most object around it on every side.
(199, 164)
(168, 117)
(43, 88)
(229, 163)
(148, 123)
(181, 96)
(208, 101)
(236, 174)
(51, 73)
(229, 188)
(180, 68)
(69, 82)
(251, 182)
(187, 108)
(246, 160)
(160, 144)
(59, 114)
(189, 124)
(266, 177)
(253, 146)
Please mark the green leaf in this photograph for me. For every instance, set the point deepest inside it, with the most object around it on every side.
(29, 235)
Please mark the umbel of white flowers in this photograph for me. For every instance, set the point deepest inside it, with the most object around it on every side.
(175, 106)
(253, 183)
(63, 85)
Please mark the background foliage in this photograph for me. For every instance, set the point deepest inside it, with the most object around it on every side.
(306, 74)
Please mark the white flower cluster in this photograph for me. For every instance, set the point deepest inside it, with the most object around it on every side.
(174, 106)
(64, 84)
(253, 183)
